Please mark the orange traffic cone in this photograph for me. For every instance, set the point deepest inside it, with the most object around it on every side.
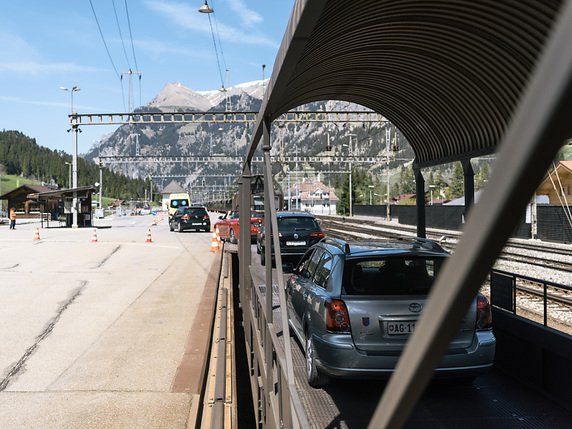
(149, 237)
(94, 236)
(37, 235)
(214, 243)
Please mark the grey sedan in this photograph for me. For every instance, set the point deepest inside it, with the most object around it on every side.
(353, 306)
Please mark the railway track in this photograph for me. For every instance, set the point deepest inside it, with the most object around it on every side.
(527, 257)
(545, 256)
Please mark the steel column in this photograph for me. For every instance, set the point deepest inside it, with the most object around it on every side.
(420, 203)
(469, 183)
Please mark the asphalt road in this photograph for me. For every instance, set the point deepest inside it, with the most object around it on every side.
(92, 332)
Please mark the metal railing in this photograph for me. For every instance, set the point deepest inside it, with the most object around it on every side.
(506, 286)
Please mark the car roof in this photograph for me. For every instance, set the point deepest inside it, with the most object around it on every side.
(385, 247)
(295, 214)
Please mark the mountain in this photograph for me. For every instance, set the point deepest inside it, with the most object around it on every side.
(203, 139)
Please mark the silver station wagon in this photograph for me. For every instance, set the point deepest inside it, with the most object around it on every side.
(354, 305)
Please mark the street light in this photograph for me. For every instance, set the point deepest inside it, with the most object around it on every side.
(71, 91)
(370, 188)
(205, 8)
(69, 164)
(431, 187)
(74, 130)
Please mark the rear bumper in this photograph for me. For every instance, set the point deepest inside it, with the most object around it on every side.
(338, 357)
(202, 225)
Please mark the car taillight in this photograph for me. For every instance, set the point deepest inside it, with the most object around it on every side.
(484, 314)
(205, 217)
(317, 234)
(337, 317)
(186, 217)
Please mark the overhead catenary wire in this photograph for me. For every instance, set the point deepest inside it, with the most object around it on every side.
(120, 34)
(215, 47)
(219, 41)
(133, 47)
(560, 193)
(108, 53)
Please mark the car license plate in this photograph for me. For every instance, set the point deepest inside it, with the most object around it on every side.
(196, 223)
(400, 328)
(295, 243)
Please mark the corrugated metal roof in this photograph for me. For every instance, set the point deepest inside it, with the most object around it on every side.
(448, 73)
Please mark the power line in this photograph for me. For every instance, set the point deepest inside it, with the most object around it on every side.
(219, 41)
(131, 36)
(120, 33)
(105, 43)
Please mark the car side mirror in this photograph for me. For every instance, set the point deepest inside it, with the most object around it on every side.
(221, 217)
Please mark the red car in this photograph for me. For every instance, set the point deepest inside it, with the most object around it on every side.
(228, 225)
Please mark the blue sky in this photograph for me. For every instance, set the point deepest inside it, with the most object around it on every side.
(45, 45)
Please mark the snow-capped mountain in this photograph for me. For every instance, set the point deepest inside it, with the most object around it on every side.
(207, 139)
(175, 96)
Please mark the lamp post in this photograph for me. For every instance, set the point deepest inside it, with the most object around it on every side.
(431, 187)
(370, 196)
(69, 164)
(100, 183)
(74, 130)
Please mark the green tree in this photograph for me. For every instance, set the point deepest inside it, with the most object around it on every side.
(482, 176)
(457, 187)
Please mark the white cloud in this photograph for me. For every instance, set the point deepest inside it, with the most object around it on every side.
(157, 48)
(187, 17)
(247, 16)
(43, 103)
(35, 68)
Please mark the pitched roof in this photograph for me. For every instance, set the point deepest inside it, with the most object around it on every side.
(25, 189)
(172, 188)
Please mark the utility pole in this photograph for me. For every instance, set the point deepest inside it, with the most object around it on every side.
(74, 130)
(351, 150)
(387, 143)
(130, 73)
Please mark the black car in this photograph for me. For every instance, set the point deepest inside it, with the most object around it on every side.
(297, 231)
(193, 217)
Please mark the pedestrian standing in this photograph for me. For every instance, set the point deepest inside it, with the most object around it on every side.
(12, 218)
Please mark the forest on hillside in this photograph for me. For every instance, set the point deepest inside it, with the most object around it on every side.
(21, 155)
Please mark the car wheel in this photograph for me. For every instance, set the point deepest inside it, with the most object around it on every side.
(262, 257)
(232, 238)
(180, 228)
(313, 375)
(171, 227)
(257, 249)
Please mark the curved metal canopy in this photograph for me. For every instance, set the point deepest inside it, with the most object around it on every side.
(448, 74)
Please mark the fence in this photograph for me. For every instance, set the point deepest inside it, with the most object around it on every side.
(553, 224)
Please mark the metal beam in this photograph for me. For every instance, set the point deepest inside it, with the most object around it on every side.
(119, 159)
(221, 117)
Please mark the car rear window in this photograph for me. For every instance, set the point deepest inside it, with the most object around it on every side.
(391, 276)
(296, 223)
(196, 211)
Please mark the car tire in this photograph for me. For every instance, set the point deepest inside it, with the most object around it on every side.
(232, 238)
(313, 375)
(171, 227)
(262, 257)
(258, 249)
(179, 227)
